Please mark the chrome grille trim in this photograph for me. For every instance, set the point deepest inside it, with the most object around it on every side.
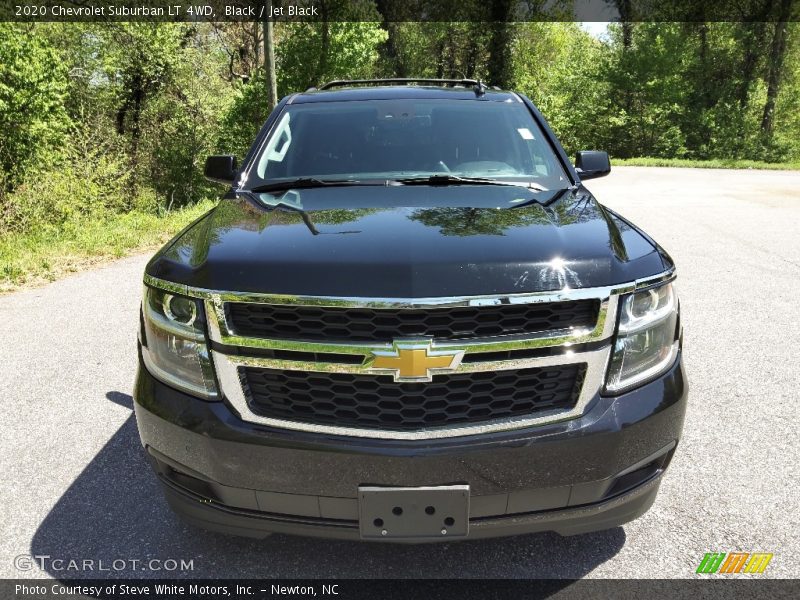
(219, 332)
(596, 360)
(550, 296)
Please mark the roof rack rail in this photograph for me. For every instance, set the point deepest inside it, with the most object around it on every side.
(398, 81)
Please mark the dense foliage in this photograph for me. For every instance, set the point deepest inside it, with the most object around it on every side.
(102, 119)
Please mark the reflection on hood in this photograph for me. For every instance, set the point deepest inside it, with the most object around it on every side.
(408, 242)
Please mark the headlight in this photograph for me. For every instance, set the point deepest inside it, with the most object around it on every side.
(174, 348)
(646, 339)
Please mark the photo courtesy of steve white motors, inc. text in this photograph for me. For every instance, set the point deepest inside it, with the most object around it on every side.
(193, 590)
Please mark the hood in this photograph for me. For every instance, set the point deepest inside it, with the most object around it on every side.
(408, 242)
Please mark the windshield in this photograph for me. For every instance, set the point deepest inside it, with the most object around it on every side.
(396, 139)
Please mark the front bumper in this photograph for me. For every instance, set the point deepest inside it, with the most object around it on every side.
(593, 472)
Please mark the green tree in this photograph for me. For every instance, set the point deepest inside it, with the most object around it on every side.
(307, 54)
(775, 73)
(33, 84)
(311, 53)
(140, 60)
(180, 124)
(556, 65)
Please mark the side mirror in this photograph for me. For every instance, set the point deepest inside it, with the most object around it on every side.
(221, 169)
(592, 163)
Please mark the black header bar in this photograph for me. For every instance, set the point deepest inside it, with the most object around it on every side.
(387, 589)
(398, 10)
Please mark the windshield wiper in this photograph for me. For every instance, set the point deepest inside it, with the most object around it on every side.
(459, 180)
(544, 201)
(310, 182)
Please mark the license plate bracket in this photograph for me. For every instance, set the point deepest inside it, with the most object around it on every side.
(413, 512)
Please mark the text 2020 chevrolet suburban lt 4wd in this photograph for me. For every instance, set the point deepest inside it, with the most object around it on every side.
(408, 320)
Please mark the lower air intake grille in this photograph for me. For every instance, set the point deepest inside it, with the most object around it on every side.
(377, 402)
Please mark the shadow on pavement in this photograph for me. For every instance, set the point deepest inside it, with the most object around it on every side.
(123, 400)
(114, 510)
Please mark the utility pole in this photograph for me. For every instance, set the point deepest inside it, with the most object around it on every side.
(269, 56)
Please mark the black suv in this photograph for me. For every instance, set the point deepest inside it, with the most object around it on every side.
(408, 320)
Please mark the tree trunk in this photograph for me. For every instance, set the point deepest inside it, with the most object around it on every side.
(440, 46)
(450, 56)
(499, 65)
(753, 42)
(269, 57)
(625, 17)
(390, 48)
(393, 52)
(473, 51)
(325, 47)
(777, 55)
(257, 43)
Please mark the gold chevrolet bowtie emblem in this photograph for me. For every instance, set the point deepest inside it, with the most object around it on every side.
(415, 360)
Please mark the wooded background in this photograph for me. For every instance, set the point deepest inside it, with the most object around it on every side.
(108, 118)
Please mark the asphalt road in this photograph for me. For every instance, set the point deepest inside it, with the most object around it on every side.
(75, 484)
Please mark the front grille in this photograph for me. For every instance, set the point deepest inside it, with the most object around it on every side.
(331, 324)
(377, 402)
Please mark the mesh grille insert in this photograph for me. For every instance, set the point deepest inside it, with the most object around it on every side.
(378, 402)
(330, 324)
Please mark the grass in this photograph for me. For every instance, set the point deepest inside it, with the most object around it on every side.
(717, 163)
(31, 259)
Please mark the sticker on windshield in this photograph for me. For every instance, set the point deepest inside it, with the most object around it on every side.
(525, 133)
